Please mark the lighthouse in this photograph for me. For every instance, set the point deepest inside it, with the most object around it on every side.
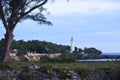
(72, 47)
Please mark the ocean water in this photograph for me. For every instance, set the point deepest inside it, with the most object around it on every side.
(98, 60)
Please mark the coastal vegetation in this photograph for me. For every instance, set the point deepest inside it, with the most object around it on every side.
(36, 46)
(63, 67)
(84, 69)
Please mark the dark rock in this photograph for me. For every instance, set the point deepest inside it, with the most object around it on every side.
(33, 73)
(98, 76)
(33, 66)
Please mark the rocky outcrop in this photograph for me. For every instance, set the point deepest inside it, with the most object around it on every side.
(9, 74)
(98, 76)
(34, 72)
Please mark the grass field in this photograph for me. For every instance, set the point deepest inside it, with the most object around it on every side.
(72, 65)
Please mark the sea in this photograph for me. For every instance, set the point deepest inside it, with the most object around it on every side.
(101, 60)
(97, 60)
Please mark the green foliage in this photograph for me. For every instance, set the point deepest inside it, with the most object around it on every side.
(83, 71)
(83, 68)
(4, 66)
(64, 73)
(63, 58)
(46, 69)
(21, 12)
(36, 46)
(24, 76)
(92, 51)
(77, 50)
(67, 58)
(40, 47)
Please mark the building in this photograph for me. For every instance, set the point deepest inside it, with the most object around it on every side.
(72, 47)
(54, 55)
(34, 56)
(13, 54)
(37, 56)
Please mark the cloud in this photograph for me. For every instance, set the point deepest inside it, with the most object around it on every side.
(82, 6)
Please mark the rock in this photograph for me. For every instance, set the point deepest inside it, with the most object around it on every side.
(74, 76)
(33, 66)
(97, 76)
(9, 75)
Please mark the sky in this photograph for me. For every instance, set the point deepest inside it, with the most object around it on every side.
(92, 23)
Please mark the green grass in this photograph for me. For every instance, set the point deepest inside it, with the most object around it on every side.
(71, 65)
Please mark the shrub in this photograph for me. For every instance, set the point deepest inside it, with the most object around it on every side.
(4, 66)
(64, 73)
(82, 71)
(63, 58)
(46, 69)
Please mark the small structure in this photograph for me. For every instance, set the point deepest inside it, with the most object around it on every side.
(37, 56)
(13, 54)
(54, 55)
(31, 56)
(34, 56)
(72, 47)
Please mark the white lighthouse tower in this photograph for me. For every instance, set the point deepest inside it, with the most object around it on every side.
(72, 47)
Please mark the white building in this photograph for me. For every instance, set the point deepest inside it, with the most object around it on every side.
(72, 47)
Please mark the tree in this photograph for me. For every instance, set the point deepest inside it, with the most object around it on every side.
(14, 11)
(92, 51)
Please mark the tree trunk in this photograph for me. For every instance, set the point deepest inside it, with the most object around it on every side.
(6, 46)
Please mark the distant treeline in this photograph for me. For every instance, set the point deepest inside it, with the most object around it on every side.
(44, 47)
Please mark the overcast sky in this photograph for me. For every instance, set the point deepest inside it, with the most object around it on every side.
(92, 23)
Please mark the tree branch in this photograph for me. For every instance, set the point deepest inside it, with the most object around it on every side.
(15, 11)
(2, 16)
(33, 8)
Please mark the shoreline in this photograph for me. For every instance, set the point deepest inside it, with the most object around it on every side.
(98, 60)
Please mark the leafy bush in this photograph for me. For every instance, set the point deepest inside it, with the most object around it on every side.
(4, 66)
(63, 58)
(64, 73)
(46, 69)
(92, 50)
(83, 71)
(66, 58)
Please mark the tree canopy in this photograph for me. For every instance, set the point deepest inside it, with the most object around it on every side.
(14, 11)
(36, 46)
(92, 50)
